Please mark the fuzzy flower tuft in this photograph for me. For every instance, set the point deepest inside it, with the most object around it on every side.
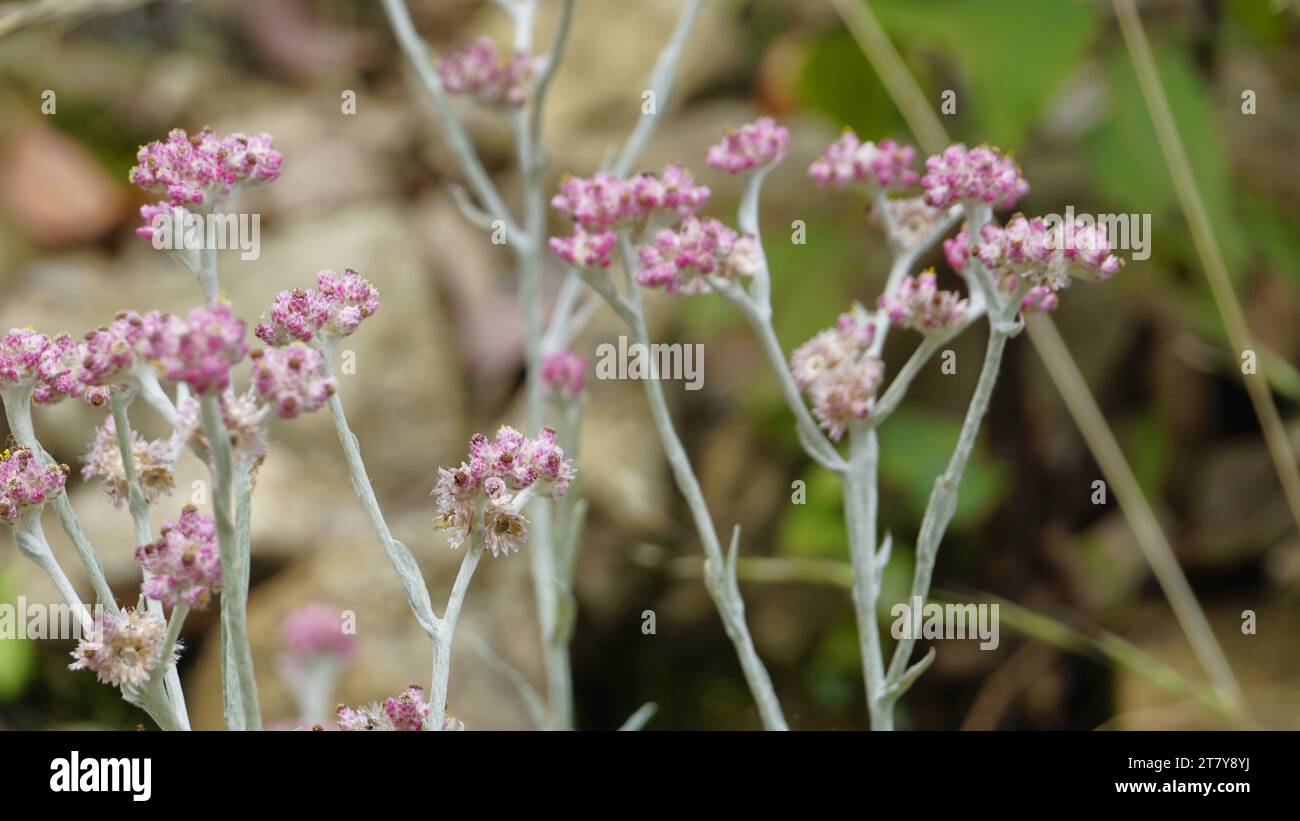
(1048, 254)
(110, 350)
(50, 367)
(407, 712)
(184, 565)
(153, 464)
(585, 249)
(680, 260)
(491, 78)
(921, 306)
(26, 484)
(909, 220)
(564, 374)
(243, 420)
(203, 169)
(201, 349)
(289, 379)
(849, 161)
(483, 487)
(980, 174)
(125, 649)
(838, 373)
(333, 309)
(759, 143)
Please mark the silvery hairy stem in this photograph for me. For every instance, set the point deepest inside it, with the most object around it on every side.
(18, 411)
(119, 403)
(241, 713)
(719, 574)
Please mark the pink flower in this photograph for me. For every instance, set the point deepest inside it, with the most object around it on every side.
(601, 201)
(921, 306)
(980, 174)
(674, 190)
(495, 469)
(585, 249)
(20, 356)
(201, 349)
(681, 259)
(849, 161)
(1047, 253)
(204, 169)
(493, 79)
(315, 630)
(125, 649)
(910, 220)
(762, 142)
(184, 564)
(26, 484)
(289, 379)
(333, 309)
(243, 420)
(564, 374)
(838, 373)
(110, 350)
(153, 464)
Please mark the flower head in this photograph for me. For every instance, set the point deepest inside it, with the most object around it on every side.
(123, 649)
(1048, 253)
(839, 373)
(564, 374)
(849, 161)
(585, 249)
(152, 459)
(909, 220)
(980, 174)
(333, 309)
(482, 488)
(921, 306)
(110, 350)
(204, 169)
(674, 191)
(407, 712)
(26, 484)
(761, 142)
(315, 631)
(493, 79)
(184, 565)
(681, 260)
(50, 367)
(289, 379)
(201, 349)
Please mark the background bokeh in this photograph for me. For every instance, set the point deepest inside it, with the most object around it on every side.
(1046, 79)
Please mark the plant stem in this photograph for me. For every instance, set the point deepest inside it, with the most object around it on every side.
(245, 714)
(31, 541)
(1207, 248)
(446, 631)
(860, 503)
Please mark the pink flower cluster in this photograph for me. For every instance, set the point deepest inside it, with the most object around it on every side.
(110, 350)
(564, 374)
(289, 379)
(849, 161)
(1047, 253)
(201, 170)
(406, 712)
(762, 142)
(921, 306)
(980, 174)
(333, 309)
(26, 484)
(240, 414)
(123, 649)
(49, 366)
(680, 260)
(496, 469)
(315, 630)
(199, 350)
(838, 373)
(491, 78)
(184, 565)
(601, 204)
